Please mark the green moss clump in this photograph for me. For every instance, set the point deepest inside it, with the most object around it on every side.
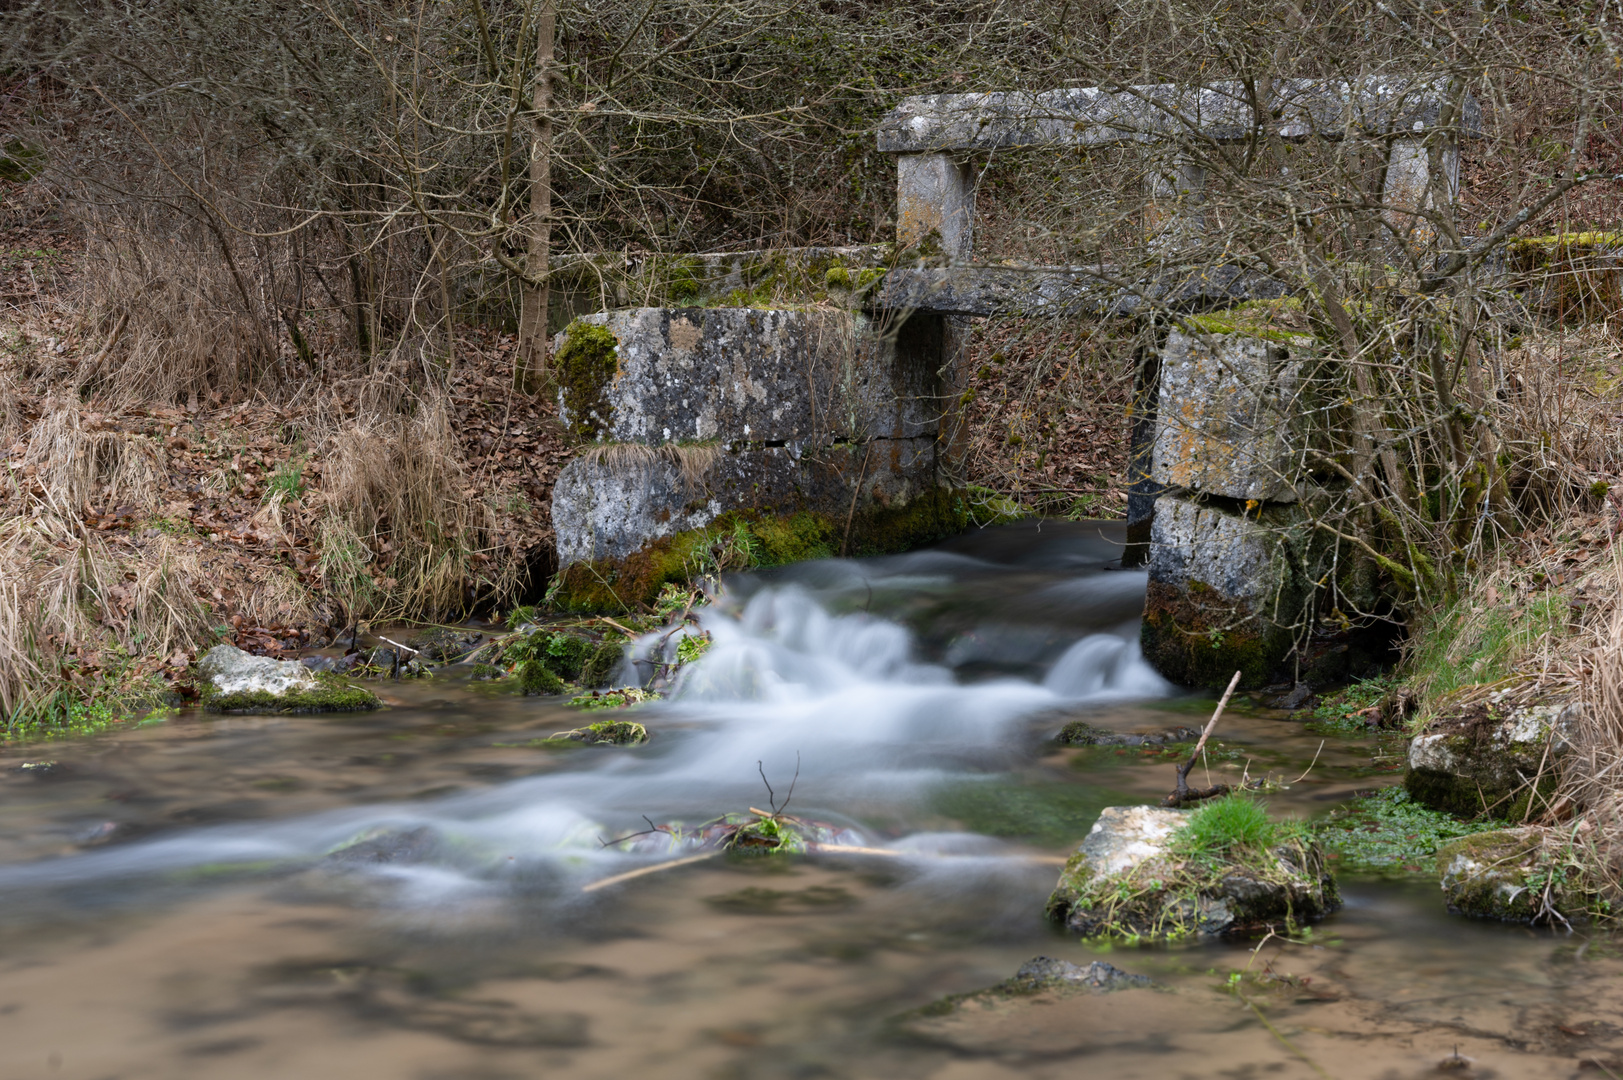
(534, 677)
(603, 733)
(1283, 321)
(599, 667)
(622, 698)
(1080, 733)
(585, 366)
(838, 277)
(333, 694)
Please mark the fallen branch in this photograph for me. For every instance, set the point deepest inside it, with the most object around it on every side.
(603, 883)
(1183, 795)
(811, 849)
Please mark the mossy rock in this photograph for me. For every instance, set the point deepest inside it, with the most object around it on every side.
(1132, 879)
(750, 539)
(1196, 638)
(585, 366)
(1521, 875)
(536, 678)
(332, 694)
(1282, 321)
(604, 733)
(1484, 760)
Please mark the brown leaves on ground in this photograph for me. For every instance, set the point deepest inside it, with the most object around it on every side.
(1047, 415)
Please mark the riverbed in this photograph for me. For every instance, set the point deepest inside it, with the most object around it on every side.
(408, 893)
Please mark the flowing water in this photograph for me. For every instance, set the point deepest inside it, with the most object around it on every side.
(171, 904)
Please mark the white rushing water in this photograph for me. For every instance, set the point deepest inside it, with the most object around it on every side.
(785, 686)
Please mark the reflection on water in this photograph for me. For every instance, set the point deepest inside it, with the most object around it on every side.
(401, 894)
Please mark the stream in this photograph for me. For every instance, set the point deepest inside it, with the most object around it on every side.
(401, 893)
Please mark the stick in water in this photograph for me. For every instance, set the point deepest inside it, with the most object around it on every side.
(1182, 794)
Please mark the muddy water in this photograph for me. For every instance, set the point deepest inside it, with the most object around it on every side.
(169, 906)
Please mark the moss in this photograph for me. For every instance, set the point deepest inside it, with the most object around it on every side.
(838, 277)
(333, 694)
(752, 538)
(1281, 321)
(685, 280)
(622, 698)
(1196, 639)
(534, 677)
(603, 733)
(1080, 733)
(585, 366)
(600, 666)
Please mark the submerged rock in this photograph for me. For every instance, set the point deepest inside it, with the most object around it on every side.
(1080, 733)
(385, 844)
(234, 681)
(1049, 1007)
(1132, 877)
(1514, 875)
(1042, 972)
(1485, 760)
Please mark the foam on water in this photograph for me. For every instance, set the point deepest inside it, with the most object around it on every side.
(843, 698)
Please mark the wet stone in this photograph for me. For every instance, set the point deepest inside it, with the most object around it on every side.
(1081, 733)
(234, 681)
(1044, 971)
(384, 845)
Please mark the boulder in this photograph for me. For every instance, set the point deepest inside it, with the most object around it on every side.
(1129, 878)
(1491, 760)
(234, 681)
(1514, 875)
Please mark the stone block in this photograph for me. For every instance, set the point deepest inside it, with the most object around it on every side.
(678, 374)
(1223, 595)
(611, 503)
(1225, 414)
(1514, 875)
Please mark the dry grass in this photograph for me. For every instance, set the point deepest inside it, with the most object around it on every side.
(70, 604)
(693, 461)
(404, 533)
(170, 317)
(79, 465)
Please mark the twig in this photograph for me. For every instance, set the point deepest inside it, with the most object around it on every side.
(603, 883)
(1310, 764)
(772, 799)
(1182, 794)
(617, 626)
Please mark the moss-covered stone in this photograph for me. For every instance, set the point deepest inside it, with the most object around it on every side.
(748, 539)
(1570, 275)
(604, 733)
(584, 367)
(332, 694)
(1515, 875)
(534, 678)
(1135, 877)
(1490, 761)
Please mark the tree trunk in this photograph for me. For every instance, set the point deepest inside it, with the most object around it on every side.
(531, 370)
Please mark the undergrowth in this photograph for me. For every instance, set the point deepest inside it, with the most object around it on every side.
(1388, 832)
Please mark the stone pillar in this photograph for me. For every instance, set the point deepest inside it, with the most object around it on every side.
(1230, 553)
(935, 194)
(1173, 218)
(1408, 185)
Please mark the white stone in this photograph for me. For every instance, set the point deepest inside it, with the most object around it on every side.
(233, 671)
(1125, 836)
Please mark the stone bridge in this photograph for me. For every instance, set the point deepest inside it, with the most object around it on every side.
(833, 410)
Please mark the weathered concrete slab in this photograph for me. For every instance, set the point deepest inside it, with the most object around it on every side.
(1090, 116)
(678, 374)
(609, 504)
(1099, 291)
(1227, 415)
